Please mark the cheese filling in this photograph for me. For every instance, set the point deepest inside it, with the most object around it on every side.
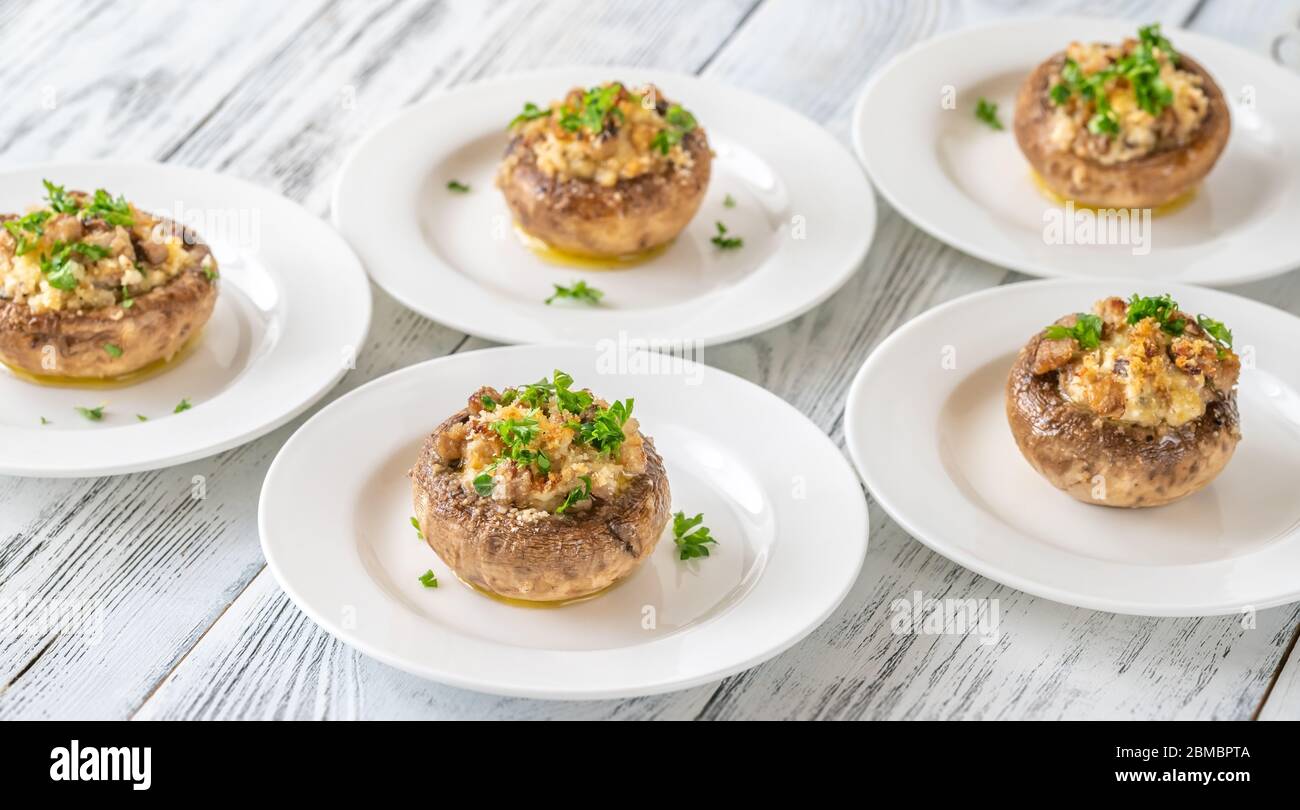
(605, 135)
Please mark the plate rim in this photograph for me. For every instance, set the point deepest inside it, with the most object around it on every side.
(854, 441)
(365, 308)
(858, 504)
(871, 212)
(1042, 270)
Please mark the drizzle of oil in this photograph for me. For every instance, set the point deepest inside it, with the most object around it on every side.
(563, 258)
(141, 374)
(1176, 204)
(535, 604)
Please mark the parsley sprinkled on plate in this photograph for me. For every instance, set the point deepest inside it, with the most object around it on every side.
(691, 544)
(416, 524)
(728, 201)
(987, 111)
(580, 291)
(457, 186)
(724, 242)
(93, 414)
(182, 406)
(428, 579)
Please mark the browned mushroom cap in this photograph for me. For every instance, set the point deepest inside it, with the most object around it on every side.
(587, 219)
(1106, 461)
(1146, 182)
(531, 555)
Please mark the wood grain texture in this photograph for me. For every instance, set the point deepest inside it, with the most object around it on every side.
(195, 627)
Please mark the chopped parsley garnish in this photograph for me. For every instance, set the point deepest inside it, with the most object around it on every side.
(1086, 330)
(183, 405)
(539, 393)
(457, 186)
(58, 266)
(1140, 69)
(213, 275)
(428, 579)
(139, 417)
(127, 300)
(987, 111)
(1216, 330)
(1162, 308)
(582, 492)
(604, 432)
(27, 229)
(483, 485)
(679, 122)
(691, 544)
(44, 421)
(113, 211)
(113, 350)
(597, 104)
(93, 414)
(489, 404)
(531, 112)
(724, 242)
(580, 291)
(59, 200)
(416, 524)
(728, 201)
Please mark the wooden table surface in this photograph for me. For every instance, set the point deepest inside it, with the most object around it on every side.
(191, 624)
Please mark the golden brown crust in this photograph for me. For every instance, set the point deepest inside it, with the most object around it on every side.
(531, 555)
(155, 327)
(1108, 462)
(587, 219)
(1145, 182)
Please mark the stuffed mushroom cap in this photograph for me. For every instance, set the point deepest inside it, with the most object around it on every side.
(93, 287)
(1133, 125)
(605, 172)
(1121, 408)
(541, 495)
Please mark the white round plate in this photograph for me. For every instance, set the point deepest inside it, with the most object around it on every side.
(789, 516)
(293, 305)
(802, 205)
(968, 185)
(926, 424)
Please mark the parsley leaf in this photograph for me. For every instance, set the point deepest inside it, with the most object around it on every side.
(678, 122)
(113, 350)
(27, 229)
(691, 544)
(531, 112)
(182, 406)
(483, 485)
(457, 186)
(1086, 330)
(113, 211)
(580, 291)
(1162, 308)
(604, 432)
(428, 579)
(416, 524)
(1216, 330)
(987, 111)
(60, 201)
(93, 414)
(728, 201)
(724, 242)
(582, 492)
